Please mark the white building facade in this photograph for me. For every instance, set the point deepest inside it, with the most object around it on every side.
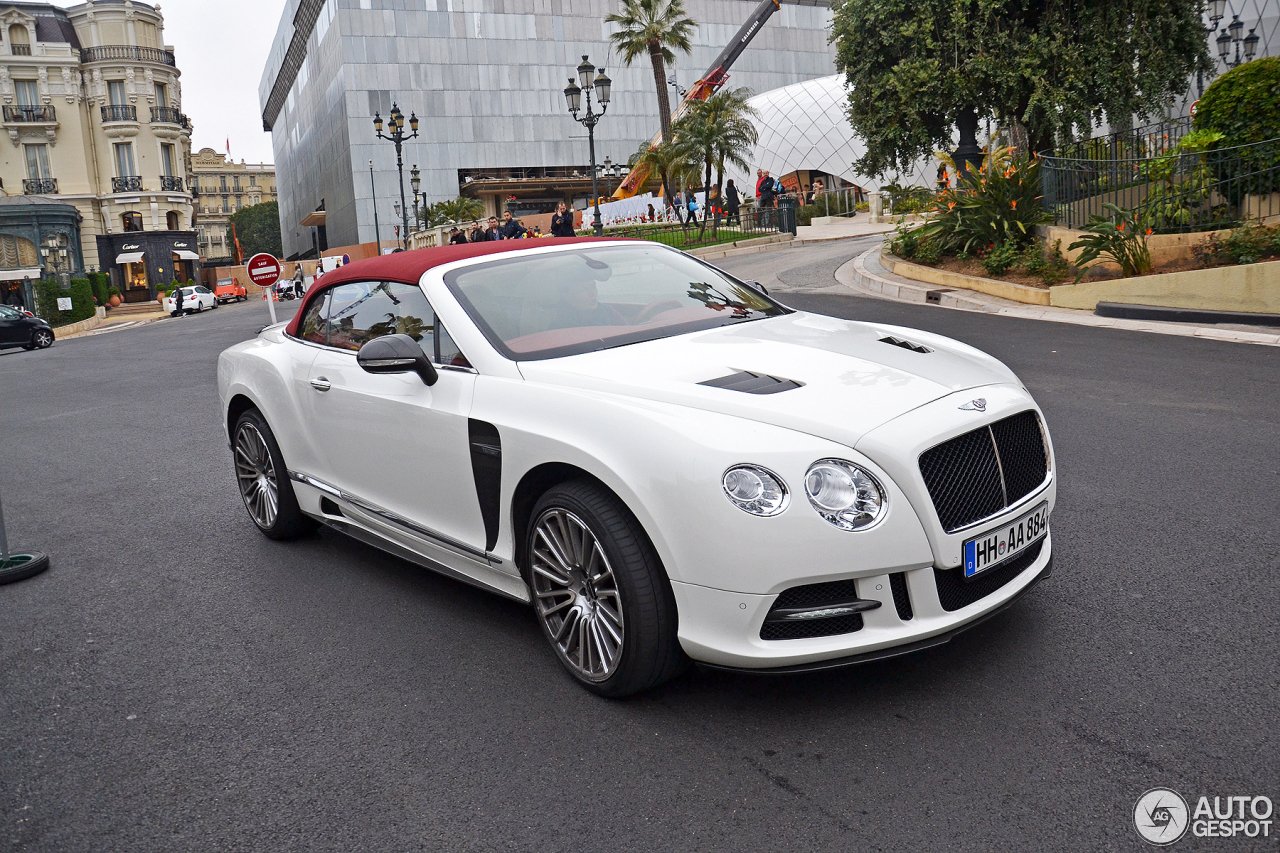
(486, 79)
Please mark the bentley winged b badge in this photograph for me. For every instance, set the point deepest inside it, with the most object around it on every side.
(978, 405)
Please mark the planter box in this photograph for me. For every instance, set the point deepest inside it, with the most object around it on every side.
(1251, 288)
(989, 286)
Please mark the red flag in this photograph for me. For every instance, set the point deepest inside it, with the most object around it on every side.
(228, 146)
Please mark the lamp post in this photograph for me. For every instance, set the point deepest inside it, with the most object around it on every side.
(590, 76)
(1217, 8)
(395, 133)
(415, 182)
(1229, 36)
(54, 253)
(377, 235)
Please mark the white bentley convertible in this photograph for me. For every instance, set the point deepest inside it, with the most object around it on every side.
(665, 461)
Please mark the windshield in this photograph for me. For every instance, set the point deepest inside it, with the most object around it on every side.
(563, 303)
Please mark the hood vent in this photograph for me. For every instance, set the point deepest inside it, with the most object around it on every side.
(899, 342)
(752, 383)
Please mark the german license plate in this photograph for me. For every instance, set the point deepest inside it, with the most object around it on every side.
(996, 546)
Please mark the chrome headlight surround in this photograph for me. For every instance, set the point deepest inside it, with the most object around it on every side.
(846, 495)
(755, 490)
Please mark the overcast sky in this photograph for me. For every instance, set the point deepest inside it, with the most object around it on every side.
(221, 46)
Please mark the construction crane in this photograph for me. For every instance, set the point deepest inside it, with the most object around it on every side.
(717, 75)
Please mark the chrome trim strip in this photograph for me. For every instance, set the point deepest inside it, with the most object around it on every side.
(390, 517)
(1004, 488)
(1005, 511)
(352, 353)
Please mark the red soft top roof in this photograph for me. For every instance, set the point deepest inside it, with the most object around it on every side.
(408, 267)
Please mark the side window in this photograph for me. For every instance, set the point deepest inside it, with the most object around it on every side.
(449, 353)
(362, 311)
(314, 326)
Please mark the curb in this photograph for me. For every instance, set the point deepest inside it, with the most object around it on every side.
(1134, 311)
(857, 277)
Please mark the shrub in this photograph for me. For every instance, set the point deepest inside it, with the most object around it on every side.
(113, 291)
(1248, 244)
(905, 241)
(1117, 237)
(998, 204)
(1243, 104)
(100, 283)
(49, 291)
(1000, 258)
(929, 253)
(1047, 263)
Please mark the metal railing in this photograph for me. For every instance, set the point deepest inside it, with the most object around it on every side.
(841, 202)
(127, 184)
(119, 112)
(718, 227)
(1170, 193)
(168, 115)
(24, 114)
(170, 183)
(40, 186)
(126, 51)
(1150, 140)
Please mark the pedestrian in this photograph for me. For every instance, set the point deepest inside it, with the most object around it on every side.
(653, 214)
(732, 204)
(298, 289)
(177, 301)
(477, 233)
(767, 191)
(13, 299)
(493, 232)
(562, 221)
(456, 237)
(511, 227)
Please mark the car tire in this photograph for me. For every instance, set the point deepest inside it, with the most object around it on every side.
(608, 612)
(41, 339)
(22, 566)
(199, 307)
(215, 304)
(263, 480)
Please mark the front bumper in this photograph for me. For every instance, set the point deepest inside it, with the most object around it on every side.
(722, 628)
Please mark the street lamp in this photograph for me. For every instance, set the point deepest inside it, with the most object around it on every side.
(1217, 8)
(415, 181)
(1231, 35)
(590, 76)
(377, 235)
(395, 133)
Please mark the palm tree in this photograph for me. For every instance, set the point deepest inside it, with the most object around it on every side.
(654, 27)
(670, 164)
(460, 209)
(716, 131)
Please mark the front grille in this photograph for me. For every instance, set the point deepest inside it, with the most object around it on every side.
(954, 591)
(968, 481)
(813, 595)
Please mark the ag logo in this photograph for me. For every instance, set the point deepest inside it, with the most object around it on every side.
(1160, 816)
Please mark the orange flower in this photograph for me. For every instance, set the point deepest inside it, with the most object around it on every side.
(1014, 204)
(1120, 227)
(1148, 232)
(950, 205)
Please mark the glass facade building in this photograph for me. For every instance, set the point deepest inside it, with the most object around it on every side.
(486, 80)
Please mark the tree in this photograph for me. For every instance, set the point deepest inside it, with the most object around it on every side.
(916, 68)
(460, 209)
(716, 131)
(258, 229)
(654, 27)
(672, 166)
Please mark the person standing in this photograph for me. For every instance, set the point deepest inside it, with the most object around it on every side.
(177, 302)
(493, 232)
(732, 204)
(653, 214)
(456, 237)
(760, 176)
(562, 221)
(511, 227)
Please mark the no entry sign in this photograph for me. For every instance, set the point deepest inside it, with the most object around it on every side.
(264, 270)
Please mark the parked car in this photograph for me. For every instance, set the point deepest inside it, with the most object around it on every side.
(230, 291)
(19, 328)
(194, 300)
(666, 462)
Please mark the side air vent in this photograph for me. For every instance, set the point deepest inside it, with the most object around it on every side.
(899, 342)
(752, 383)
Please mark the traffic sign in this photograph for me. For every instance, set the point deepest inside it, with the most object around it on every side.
(346, 259)
(264, 269)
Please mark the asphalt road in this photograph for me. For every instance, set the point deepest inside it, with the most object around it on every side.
(177, 682)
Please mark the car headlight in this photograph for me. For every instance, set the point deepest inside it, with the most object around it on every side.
(755, 490)
(844, 494)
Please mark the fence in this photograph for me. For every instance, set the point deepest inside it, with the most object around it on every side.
(1171, 193)
(1147, 141)
(750, 223)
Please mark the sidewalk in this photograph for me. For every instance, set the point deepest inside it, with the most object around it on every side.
(857, 226)
(868, 277)
(117, 321)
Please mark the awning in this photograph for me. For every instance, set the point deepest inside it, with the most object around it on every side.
(312, 219)
(129, 257)
(186, 255)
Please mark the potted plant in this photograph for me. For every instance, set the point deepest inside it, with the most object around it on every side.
(115, 299)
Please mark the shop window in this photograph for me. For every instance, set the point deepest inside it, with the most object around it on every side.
(132, 221)
(174, 220)
(17, 253)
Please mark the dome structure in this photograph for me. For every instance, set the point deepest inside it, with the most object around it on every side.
(803, 127)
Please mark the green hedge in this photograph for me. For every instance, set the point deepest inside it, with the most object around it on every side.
(1243, 104)
(48, 291)
(99, 282)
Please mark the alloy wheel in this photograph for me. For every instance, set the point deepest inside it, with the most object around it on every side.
(576, 594)
(44, 339)
(256, 475)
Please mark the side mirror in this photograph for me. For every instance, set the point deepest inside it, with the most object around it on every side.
(396, 354)
(755, 285)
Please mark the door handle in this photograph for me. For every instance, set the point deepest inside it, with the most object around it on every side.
(320, 384)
